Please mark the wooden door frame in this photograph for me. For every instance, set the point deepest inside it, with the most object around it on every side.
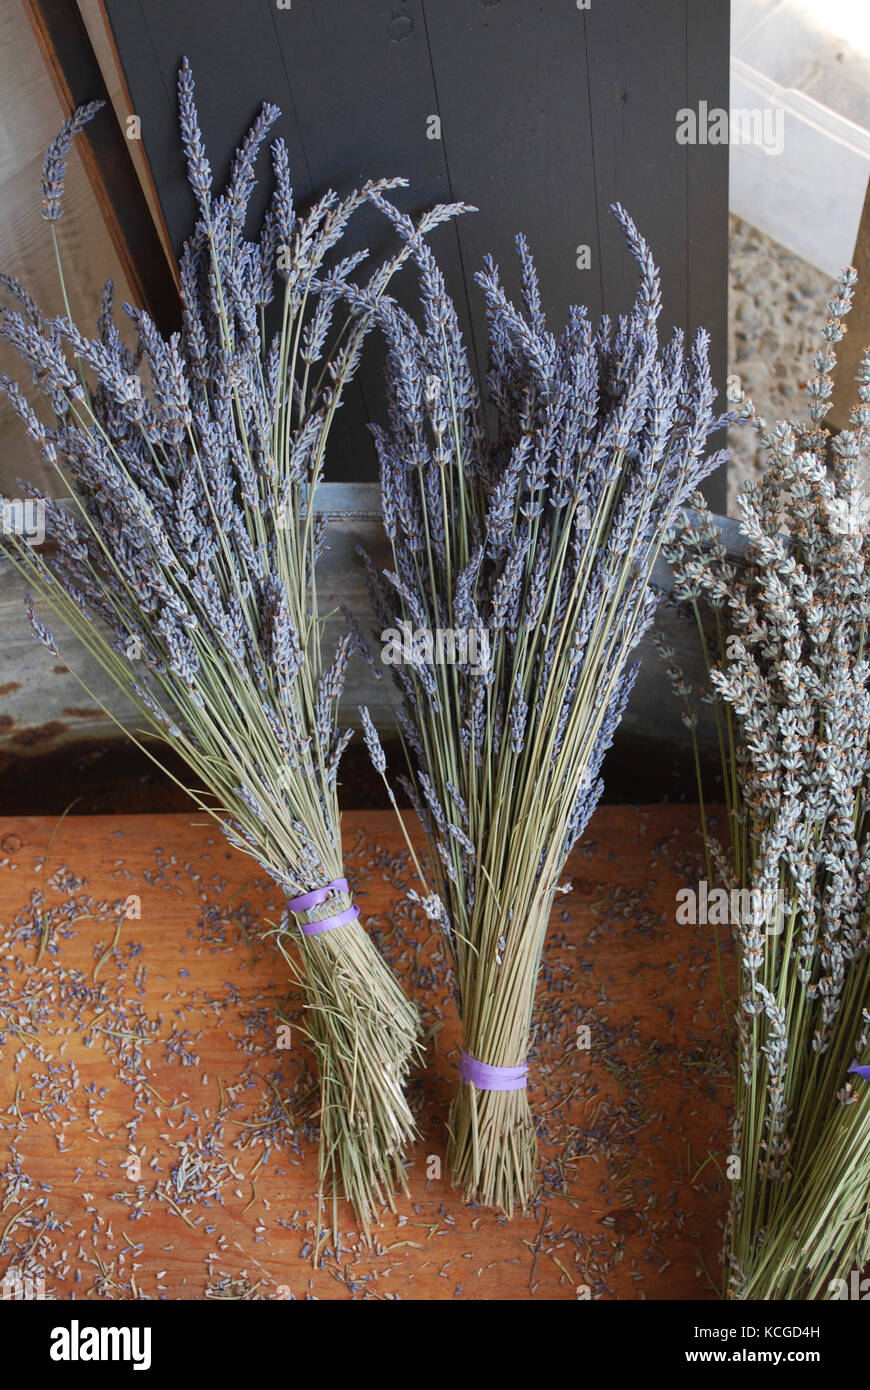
(72, 63)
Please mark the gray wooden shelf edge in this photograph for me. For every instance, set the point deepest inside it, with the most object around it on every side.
(43, 706)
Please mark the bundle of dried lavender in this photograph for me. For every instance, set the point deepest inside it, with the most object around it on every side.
(785, 642)
(187, 568)
(524, 564)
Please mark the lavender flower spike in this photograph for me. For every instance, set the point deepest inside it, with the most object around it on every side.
(54, 165)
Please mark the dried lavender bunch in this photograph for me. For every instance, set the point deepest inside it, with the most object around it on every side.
(541, 541)
(784, 640)
(186, 566)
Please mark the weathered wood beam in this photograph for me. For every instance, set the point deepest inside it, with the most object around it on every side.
(857, 339)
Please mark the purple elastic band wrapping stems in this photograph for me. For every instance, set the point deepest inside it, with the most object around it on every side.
(314, 899)
(486, 1078)
(859, 1071)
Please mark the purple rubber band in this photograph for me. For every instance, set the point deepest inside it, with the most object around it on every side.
(327, 924)
(486, 1078)
(317, 895)
(860, 1071)
(314, 899)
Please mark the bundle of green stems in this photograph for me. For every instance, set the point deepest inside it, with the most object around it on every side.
(184, 557)
(784, 640)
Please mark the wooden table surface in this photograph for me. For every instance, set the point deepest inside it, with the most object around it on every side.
(158, 1140)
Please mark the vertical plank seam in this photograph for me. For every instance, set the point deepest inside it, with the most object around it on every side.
(600, 248)
(157, 63)
(356, 385)
(453, 199)
(270, 5)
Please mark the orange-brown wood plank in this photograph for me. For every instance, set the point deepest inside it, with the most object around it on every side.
(156, 1139)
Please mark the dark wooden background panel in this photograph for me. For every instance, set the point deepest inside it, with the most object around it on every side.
(355, 87)
(375, 65)
(708, 35)
(637, 59)
(548, 113)
(236, 65)
(512, 88)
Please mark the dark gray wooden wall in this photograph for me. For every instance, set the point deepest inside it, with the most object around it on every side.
(548, 113)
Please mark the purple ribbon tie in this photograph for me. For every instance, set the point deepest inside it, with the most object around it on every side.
(486, 1078)
(314, 899)
(317, 895)
(860, 1071)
